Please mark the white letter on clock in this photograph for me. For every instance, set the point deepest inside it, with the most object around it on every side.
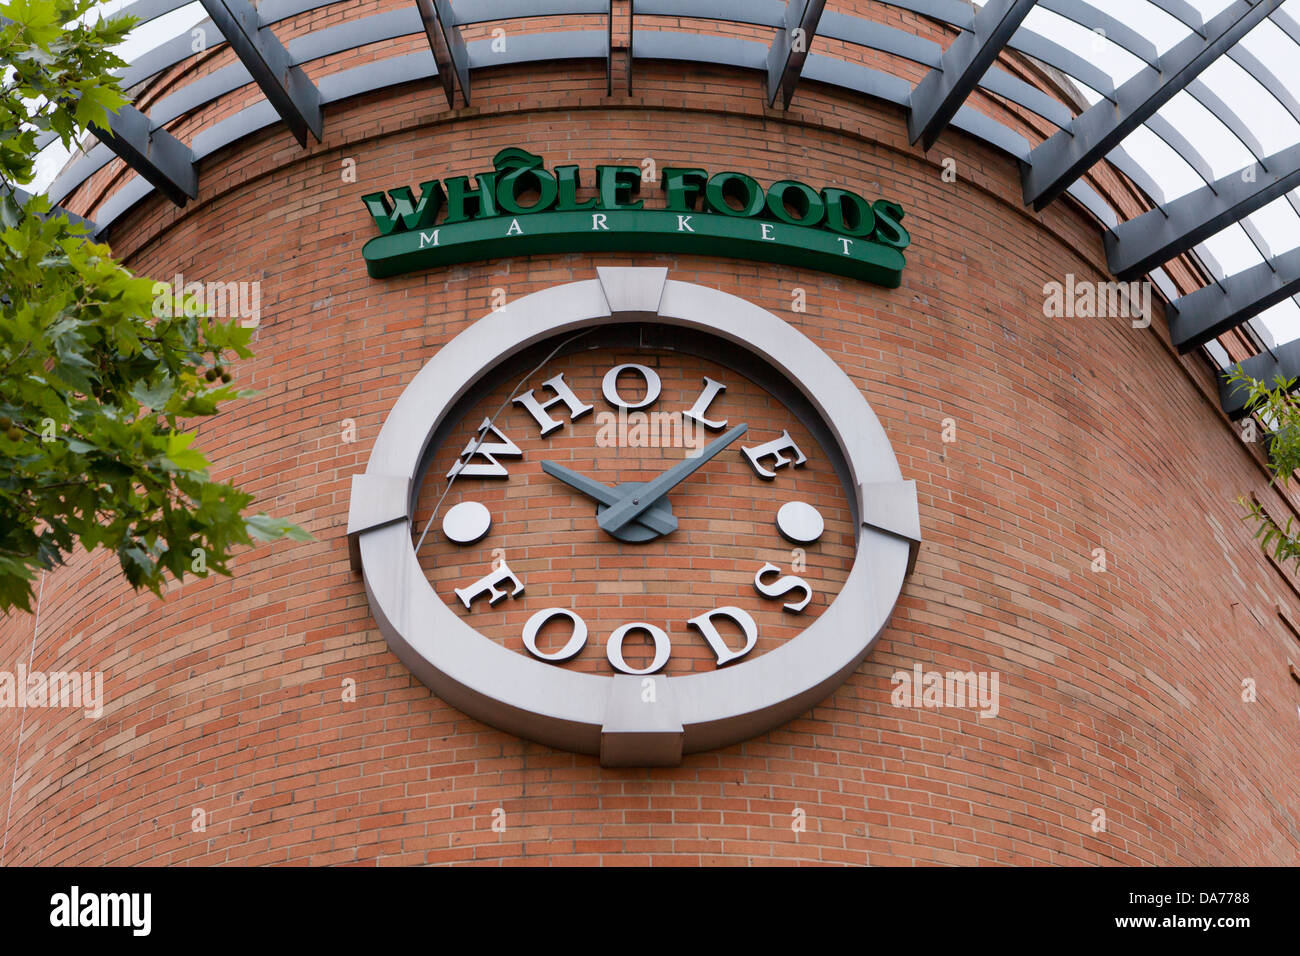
(774, 448)
(782, 586)
(610, 386)
(488, 585)
(704, 624)
(562, 394)
(538, 621)
(614, 648)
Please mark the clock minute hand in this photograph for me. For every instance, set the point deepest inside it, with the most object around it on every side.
(606, 495)
(630, 508)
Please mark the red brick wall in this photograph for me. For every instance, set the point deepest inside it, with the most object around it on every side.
(1120, 690)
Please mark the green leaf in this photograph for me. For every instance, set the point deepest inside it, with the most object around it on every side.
(96, 103)
(186, 459)
(263, 527)
(153, 396)
(39, 19)
(80, 346)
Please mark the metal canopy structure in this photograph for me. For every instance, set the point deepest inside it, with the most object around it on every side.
(157, 155)
(1200, 316)
(1205, 33)
(790, 49)
(937, 98)
(447, 47)
(294, 97)
(1069, 154)
(1152, 239)
(1282, 361)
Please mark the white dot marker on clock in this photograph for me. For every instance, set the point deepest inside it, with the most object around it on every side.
(799, 522)
(466, 522)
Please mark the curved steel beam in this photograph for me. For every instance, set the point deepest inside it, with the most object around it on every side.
(1207, 313)
(1283, 360)
(23, 197)
(1061, 160)
(1155, 237)
(765, 12)
(447, 47)
(287, 87)
(856, 30)
(790, 48)
(157, 155)
(942, 91)
(728, 51)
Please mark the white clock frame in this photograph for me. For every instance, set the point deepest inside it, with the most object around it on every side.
(609, 715)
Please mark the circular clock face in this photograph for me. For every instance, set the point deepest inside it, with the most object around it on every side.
(633, 517)
(647, 486)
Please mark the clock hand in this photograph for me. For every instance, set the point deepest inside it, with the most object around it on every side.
(607, 496)
(631, 508)
(588, 486)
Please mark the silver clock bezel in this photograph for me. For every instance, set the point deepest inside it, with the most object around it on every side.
(610, 715)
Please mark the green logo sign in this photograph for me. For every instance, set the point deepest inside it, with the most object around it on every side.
(521, 208)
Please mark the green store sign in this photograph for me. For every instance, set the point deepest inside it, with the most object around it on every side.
(521, 208)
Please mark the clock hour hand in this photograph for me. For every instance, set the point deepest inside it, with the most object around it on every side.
(605, 495)
(632, 508)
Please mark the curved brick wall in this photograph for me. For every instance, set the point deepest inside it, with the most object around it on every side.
(1120, 690)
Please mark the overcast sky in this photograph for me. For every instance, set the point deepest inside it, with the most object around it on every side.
(1272, 125)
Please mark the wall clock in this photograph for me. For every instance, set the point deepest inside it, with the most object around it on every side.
(634, 517)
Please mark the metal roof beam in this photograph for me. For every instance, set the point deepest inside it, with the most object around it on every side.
(1184, 12)
(789, 50)
(1283, 360)
(159, 157)
(1203, 315)
(287, 87)
(550, 48)
(448, 48)
(1055, 164)
(943, 90)
(1153, 238)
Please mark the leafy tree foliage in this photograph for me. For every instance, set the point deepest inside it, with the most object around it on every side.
(95, 390)
(1275, 404)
